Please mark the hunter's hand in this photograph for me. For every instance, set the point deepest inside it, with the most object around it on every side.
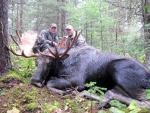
(51, 43)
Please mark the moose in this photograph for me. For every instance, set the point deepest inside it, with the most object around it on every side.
(73, 67)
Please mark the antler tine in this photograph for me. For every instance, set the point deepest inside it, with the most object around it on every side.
(47, 55)
(52, 52)
(33, 55)
(15, 41)
(11, 50)
(69, 46)
(75, 38)
(21, 54)
(18, 34)
(57, 54)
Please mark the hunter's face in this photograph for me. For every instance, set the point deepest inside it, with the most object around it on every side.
(69, 32)
(53, 29)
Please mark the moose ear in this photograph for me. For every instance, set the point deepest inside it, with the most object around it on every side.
(65, 56)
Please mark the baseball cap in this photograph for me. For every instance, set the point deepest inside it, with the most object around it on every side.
(53, 25)
(69, 27)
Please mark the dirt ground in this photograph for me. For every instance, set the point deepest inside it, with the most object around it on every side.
(19, 97)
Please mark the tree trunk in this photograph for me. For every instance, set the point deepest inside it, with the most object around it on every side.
(58, 18)
(86, 31)
(91, 27)
(21, 16)
(12, 16)
(17, 18)
(146, 19)
(101, 27)
(116, 34)
(62, 16)
(4, 54)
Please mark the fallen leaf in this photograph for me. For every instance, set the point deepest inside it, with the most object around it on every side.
(14, 110)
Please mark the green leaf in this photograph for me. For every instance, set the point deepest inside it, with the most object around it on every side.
(115, 110)
(148, 94)
(101, 111)
(133, 107)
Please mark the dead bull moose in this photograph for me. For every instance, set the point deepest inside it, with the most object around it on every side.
(125, 78)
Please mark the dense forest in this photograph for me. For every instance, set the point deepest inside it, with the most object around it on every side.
(111, 26)
(115, 26)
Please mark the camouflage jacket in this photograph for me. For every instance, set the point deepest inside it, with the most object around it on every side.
(81, 40)
(42, 40)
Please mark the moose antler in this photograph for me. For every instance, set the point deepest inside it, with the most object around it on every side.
(21, 49)
(57, 54)
(69, 46)
(21, 53)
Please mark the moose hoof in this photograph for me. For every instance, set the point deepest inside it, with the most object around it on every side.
(37, 84)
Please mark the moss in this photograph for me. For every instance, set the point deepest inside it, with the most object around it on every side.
(32, 106)
(12, 75)
(31, 95)
(16, 92)
(49, 107)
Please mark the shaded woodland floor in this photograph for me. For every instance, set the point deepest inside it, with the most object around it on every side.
(18, 96)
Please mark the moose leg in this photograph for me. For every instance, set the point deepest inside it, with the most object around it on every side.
(59, 83)
(110, 95)
(59, 86)
(41, 72)
(115, 95)
(64, 84)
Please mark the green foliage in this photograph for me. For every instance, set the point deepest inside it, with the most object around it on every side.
(93, 89)
(23, 67)
(12, 75)
(30, 95)
(31, 99)
(72, 104)
(16, 92)
(32, 106)
(147, 8)
(104, 26)
(147, 26)
(102, 111)
(117, 104)
(88, 11)
(115, 110)
(100, 20)
(148, 93)
(134, 108)
(47, 108)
